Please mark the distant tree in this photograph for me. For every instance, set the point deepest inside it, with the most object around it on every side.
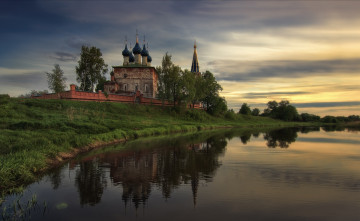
(245, 109)
(91, 68)
(255, 112)
(306, 117)
(329, 119)
(33, 93)
(56, 79)
(282, 111)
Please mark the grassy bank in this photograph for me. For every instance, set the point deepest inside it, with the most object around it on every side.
(37, 133)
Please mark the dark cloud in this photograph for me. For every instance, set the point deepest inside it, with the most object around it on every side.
(327, 104)
(265, 95)
(29, 80)
(75, 42)
(63, 56)
(255, 70)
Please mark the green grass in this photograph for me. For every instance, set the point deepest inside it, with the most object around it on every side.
(34, 131)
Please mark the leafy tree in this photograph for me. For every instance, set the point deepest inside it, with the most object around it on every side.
(56, 79)
(189, 87)
(217, 105)
(245, 109)
(169, 80)
(100, 85)
(282, 111)
(91, 68)
(211, 90)
(255, 112)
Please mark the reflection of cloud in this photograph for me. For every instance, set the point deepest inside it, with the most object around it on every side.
(63, 56)
(253, 70)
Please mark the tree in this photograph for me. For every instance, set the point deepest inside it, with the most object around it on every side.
(245, 109)
(100, 84)
(255, 112)
(211, 90)
(56, 79)
(169, 80)
(282, 111)
(91, 68)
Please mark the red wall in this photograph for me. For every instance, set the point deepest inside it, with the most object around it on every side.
(100, 96)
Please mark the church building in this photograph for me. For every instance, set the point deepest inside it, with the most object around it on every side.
(136, 75)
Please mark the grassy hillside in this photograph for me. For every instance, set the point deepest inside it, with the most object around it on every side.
(34, 132)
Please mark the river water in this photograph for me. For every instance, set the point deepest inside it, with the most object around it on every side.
(283, 174)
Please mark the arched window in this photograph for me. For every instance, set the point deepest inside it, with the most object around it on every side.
(146, 88)
(125, 87)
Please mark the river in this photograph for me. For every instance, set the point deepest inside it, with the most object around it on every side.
(308, 173)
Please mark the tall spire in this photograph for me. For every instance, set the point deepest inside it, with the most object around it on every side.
(195, 62)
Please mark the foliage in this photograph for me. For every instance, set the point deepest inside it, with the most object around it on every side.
(100, 85)
(245, 109)
(169, 80)
(306, 117)
(91, 68)
(255, 112)
(56, 79)
(216, 105)
(283, 111)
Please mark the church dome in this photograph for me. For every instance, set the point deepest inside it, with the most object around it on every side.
(149, 59)
(131, 58)
(126, 51)
(144, 52)
(137, 48)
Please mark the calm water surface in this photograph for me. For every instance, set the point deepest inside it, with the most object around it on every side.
(285, 174)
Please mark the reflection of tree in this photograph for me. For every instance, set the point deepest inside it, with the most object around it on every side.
(305, 130)
(245, 138)
(331, 128)
(90, 181)
(55, 178)
(281, 138)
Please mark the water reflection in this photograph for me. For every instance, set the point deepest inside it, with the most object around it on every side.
(137, 172)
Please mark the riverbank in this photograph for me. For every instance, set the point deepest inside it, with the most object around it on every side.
(39, 134)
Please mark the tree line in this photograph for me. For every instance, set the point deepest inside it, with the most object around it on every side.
(287, 112)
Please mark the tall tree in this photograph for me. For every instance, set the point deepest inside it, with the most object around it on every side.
(211, 90)
(56, 79)
(91, 68)
(169, 82)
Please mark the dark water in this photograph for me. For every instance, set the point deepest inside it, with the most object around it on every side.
(285, 174)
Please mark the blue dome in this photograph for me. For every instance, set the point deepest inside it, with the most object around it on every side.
(144, 52)
(137, 48)
(126, 51)
(149, 59)
(131, 58)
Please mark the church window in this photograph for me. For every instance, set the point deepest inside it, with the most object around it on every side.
(125, 87)
(146, 88)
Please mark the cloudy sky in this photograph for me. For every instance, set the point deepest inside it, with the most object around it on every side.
(307, 52)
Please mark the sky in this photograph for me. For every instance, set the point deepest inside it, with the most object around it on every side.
(304, 51)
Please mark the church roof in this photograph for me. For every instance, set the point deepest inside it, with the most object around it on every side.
(144, 51)
(126, 51)
(195, 62)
